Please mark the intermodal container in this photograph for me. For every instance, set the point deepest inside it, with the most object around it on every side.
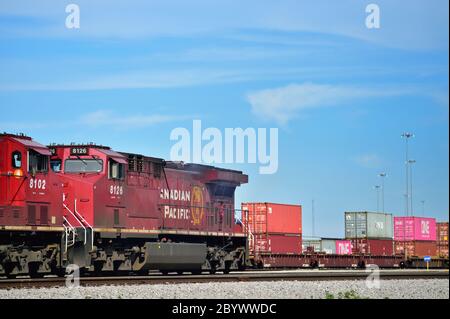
(328, 246)
(442, 251)
(374, 247)
(277, 244)
(270, 218)
(414, 229)
(415, 248)
(368, 225)
(343, 247)
(312, 245)
(442, 233)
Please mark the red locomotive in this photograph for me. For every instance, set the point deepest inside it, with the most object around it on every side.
(110, 212)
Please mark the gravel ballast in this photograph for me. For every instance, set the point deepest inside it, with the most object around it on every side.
(393, 289)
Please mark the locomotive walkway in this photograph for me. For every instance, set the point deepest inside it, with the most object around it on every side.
(296, 275)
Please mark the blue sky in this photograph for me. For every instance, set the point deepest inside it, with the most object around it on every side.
(340, 94)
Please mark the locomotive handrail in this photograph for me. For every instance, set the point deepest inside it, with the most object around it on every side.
(72, 229)
(88, 225)
(79, 222)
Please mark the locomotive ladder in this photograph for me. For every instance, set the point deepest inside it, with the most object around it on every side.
(68, 230)
(82, 222)
(250, 236)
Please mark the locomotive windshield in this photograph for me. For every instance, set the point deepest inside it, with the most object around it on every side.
(83, 166)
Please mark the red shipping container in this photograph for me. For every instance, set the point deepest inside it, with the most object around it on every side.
(269, 218)
(442, 251)
(374, 247)
(277, 244)
(416, 248)
(442, 233)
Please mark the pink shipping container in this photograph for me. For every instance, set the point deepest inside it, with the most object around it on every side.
(269, 218)
(343, 247)
(276, 244)
(414, 229)
(374, 247)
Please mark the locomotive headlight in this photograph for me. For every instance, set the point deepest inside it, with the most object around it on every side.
(18, 173)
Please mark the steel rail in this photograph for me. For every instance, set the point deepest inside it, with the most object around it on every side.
(233, 277)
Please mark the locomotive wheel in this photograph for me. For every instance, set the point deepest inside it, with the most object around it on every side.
(165, 272)
(34, 271)
(180, 273)
(196, 272)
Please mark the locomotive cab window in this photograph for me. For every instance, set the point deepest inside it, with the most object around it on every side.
(83, 166)
(37, 163)
(17, 159)
(116, 170)
(56, 165)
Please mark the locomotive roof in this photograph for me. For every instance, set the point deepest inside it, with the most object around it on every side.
(28, 142)
(90, 145)
(20, 135)
(197, 167)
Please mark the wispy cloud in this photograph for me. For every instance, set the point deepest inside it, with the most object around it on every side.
(198, 17)
(99, 118)
(284, 103)
(368, 160)
(108, 118)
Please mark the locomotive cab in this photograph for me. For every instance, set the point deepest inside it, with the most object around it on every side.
(26, 184)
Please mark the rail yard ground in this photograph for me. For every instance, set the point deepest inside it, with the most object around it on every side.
(405, 287)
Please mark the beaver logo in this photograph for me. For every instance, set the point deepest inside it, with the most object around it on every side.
(197, 205)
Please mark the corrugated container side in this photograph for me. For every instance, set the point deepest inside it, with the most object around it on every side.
(343, 247)
(278, 244)
(328, 246)
(368, 225)
(442, 233)
(374, 247)
(272, 218)
(442, 251)
(414, 229)
(315, 244)
(416, 248)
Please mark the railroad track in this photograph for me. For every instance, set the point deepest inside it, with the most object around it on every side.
(320, 275)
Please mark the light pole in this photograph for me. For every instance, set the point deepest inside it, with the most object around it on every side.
(312, 219)
(377, 187)
(407, 136)
(382, 175)
(411, 162)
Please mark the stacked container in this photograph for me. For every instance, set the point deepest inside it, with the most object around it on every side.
(442, 239)
(275, 228)
(415, 236)
(370, 233)
(328, 246)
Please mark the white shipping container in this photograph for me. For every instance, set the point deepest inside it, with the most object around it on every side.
(368, 225)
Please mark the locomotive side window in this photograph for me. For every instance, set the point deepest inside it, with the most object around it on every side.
(17, 159)
(37, 163)
(116, 170)
(83, 166)
(56, 165)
